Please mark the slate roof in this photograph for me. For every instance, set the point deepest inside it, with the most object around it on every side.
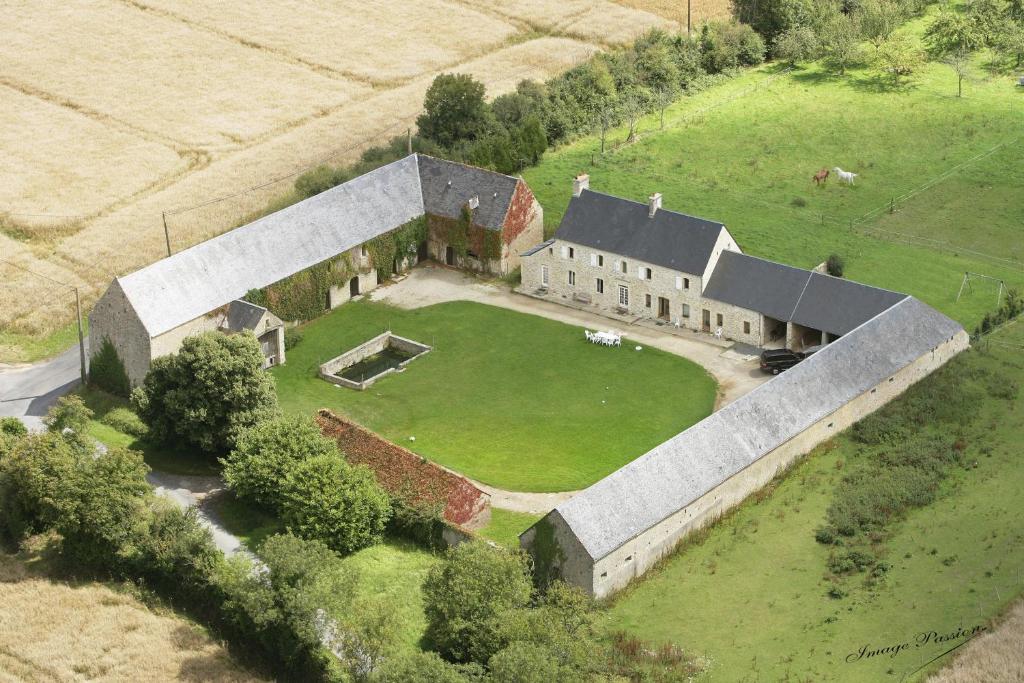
(243, 315)
(539, 247)
(791, 294)
(447, 186)
(621, 226)
(209, 275)
(677, 472)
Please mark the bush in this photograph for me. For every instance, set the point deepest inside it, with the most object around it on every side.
(320, 179)
(126, 422)
(835, 265)
(69, 417)
(12, 426)
(466, 597)
(208, 393)
(326, 499)
(106, 371)
(292, 337)
(264, 454)
(425, 667)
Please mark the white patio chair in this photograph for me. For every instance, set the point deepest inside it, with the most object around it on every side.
(590, 337)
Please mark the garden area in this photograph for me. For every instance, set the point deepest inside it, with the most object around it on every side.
(513, 400)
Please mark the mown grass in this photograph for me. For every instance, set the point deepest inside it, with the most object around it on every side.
(505, 526)
(955, 563)
(509, 399)
(29, 348)
(748, 162)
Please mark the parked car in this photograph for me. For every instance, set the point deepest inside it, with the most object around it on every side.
(777, 360)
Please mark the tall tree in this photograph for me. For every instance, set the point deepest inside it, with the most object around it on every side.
(454, 110)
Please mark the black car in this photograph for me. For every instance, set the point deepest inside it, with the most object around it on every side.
(777, 360)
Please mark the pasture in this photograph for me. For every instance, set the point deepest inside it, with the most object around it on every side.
(952, 564)
(125, 110)
(746, 157)
(513, 400)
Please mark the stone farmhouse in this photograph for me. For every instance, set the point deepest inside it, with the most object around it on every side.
(623, 257)
(620, 256)
(475, 219)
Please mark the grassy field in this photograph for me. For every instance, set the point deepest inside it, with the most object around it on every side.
(748, 161)
(509, 399)
(996, 657)
(954, 564)
(505, 526)
(125, 110)
(56, 631)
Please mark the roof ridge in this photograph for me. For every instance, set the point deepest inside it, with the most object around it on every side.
(639, 203)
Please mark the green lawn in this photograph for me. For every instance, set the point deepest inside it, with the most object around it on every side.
(749, 163)
(752, 596)
(505, 526)
(513, 400)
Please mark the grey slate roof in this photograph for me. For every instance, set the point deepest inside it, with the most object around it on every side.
(621, 226)
(680, 470)
(243, 315)
(198, 280)
(792, 294)
(539, 247)
(447, 186)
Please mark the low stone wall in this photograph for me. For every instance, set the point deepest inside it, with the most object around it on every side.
(329, 370)
(407, 476)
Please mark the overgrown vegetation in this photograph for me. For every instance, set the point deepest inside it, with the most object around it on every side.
(304, 295)
(106, 371)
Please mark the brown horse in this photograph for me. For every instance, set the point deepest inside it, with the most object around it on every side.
(821, 176)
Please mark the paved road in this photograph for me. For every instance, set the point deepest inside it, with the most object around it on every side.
(29, 391)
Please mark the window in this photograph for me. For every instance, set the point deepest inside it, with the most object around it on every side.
(363, 252)
(551, 251)
(647, 300)
(600, 286)
(647, 273)
(623, 295)
(572, 278)
(718, 319)
(686, 310)
(624, 267)
(544, 275)
(686, 283)
(600, 261)
(597, 260)
(471, 254)
(746, 328)
(572, 253)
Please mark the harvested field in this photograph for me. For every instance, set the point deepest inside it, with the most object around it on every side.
(51, 631)
(701, 11)
(173, 104)
(159, 75)
(354, 37)
(995, 657)
(58, 161)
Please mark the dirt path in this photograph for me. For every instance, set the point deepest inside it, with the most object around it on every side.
(198, 492)
(428, 284)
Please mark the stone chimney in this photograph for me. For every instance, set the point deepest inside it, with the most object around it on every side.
(653, 204)
(580, 183)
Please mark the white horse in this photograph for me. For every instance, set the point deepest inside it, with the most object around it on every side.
(845, 176)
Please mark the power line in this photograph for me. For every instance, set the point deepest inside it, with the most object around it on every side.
(32, 272)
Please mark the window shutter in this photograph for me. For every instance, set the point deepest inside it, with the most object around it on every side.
(679, 282)
(640, 272)
(593, 259)
(565, 251)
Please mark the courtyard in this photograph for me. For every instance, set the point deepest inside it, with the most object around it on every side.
(512, 400)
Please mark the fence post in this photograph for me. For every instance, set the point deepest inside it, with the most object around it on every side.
(892, 205)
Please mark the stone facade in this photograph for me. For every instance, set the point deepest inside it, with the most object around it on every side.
(113, 318)
(614, 571)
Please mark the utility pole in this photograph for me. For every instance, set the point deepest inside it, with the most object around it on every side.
(688, 19)
(167, 235)
(81, 337)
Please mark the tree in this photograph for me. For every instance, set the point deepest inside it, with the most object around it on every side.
(530, 139)
(899, 56)
(771, 18)
(208, 393)
(657, 70)
(604, 96)
(265, 453)
(840, 42)
(69, 417)
(106, 371)
(951, 33)
(878, 19)
(796, 44)
(835, 265)
(327, 499)
(634, 104)
(467, 595)
(425, 667)
(959, 62)
(1010, 42)
(454, 109)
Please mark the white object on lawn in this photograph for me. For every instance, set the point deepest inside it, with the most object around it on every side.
(412, 438)
(845, 176)
(639, 348)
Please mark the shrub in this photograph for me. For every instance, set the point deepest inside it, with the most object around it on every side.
(69, 417)
(12, 426)
(265, 453)
(29, 477)
(292, 337)
(325, 498)
(425, 667)
(835, 265)
(320, 179)
(106, 371)
(125, 421)
(207, 393)
(467, 595)
(798, 202)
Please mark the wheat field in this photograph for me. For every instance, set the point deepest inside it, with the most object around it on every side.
(701, 11)
(52, 631)
(121, 110)
(996, 657)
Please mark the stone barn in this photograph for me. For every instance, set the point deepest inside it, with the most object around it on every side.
(615, 530)
(147, 314)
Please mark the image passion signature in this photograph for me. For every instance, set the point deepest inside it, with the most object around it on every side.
(922, 639)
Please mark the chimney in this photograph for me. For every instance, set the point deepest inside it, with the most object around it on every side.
(580, 183)
(653, 204)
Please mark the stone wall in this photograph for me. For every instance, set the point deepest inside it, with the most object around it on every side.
(407, 476)
(524, 227)
(113, 318)
(330, 369)
(617, 569)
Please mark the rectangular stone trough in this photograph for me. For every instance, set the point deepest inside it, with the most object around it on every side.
(360, 367)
